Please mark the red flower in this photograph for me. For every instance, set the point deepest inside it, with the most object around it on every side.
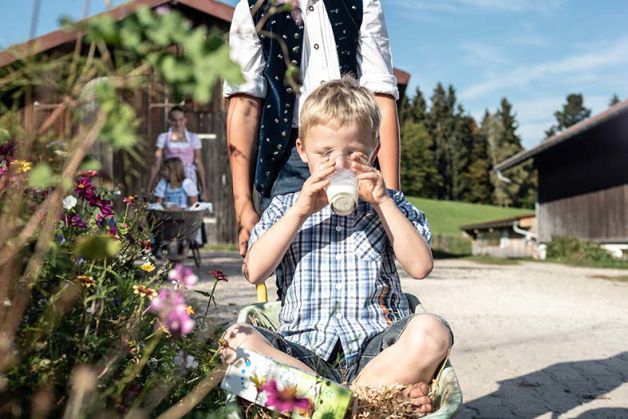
(219, 275)
(129, 200)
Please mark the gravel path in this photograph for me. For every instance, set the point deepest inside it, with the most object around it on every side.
(532, 340)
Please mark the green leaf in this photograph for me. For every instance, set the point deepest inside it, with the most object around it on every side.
(97, 247)
(203, 293)
(42, 177)
(91, 163)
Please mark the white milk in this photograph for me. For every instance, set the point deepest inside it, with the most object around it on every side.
(342, 192)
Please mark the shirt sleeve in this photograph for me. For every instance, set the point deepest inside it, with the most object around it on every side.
(195, 141)
(160, 189)
(161, 140)
(246, 50)
(374, 56)
(189, 187)
(414, 215)
(273, 213)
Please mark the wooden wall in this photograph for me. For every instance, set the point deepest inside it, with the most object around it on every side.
(600, 215)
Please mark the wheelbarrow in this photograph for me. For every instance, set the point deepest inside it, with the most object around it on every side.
(176, 232)
(445, 386)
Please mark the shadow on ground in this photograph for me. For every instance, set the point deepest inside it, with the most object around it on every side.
(556, 390)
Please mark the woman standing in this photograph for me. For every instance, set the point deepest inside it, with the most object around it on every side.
(181, 143)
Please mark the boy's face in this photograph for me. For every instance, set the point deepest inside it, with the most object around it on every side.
(329, 142)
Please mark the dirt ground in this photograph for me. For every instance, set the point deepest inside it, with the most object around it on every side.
(532, 340)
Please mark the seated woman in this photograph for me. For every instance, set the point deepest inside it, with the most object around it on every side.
(175, 190)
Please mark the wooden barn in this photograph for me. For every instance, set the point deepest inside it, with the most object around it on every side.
(583, 180)
(128, 175)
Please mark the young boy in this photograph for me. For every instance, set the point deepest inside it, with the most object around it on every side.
(340, 288)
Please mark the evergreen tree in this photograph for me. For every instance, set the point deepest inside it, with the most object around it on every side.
(419, 107)
(460, 145)
(419, 175)
(573, 111)
(440, 124)
(518, 190)
(614, 100)
(403, 110)
(480, 190)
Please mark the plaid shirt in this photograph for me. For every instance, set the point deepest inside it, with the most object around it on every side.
(338, 278)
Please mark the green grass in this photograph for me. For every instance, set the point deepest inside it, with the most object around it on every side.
(446, 217)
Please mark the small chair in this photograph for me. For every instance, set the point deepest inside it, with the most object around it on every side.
(445, 386)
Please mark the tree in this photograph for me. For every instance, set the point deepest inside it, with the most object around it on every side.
(480, 190)
(614, 100)
(519, 186)
(440, 123)
(419, 175)
(573, 111)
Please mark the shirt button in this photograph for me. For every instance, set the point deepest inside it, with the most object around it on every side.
(339, 315)
(316, 46)
(322, 81)
(311, 8)
(338, 229)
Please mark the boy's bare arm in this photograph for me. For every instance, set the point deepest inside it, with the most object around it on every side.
(388, 154)
(267, 252)
(410, 247)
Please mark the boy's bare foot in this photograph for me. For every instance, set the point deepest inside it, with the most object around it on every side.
(417, 394)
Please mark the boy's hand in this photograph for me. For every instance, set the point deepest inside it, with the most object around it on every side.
(371, 187)
(312, 197)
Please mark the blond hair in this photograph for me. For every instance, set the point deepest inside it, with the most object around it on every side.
(341, 102)
(176, 171)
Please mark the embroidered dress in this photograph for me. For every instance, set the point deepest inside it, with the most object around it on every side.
(178, 196)
(181, 149)
(338, 279)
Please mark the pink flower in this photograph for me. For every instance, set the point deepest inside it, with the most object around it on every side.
(284, 400)
(129, 200)
(182, 275)
(172, 310)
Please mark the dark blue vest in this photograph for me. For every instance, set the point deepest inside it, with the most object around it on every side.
(274, 143)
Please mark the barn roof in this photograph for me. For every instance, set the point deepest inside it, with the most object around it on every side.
(502, 222)
(579, 128)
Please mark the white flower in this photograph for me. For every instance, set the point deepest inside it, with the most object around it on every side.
(69, 202)
(185, 361)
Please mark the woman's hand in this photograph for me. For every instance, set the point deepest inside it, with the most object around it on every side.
(312, 197)
(371, 187)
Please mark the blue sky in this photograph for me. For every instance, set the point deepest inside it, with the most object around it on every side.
(534, 52)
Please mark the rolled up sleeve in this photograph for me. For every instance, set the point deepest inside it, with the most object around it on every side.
(374, 56)
(246, 50)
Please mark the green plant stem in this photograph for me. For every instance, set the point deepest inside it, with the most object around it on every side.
(130, 376)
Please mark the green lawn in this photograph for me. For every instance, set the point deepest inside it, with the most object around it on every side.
(445, 217)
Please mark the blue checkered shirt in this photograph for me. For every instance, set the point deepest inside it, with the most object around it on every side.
(338, 278)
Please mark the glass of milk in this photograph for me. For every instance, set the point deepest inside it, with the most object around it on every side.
(342, 192)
